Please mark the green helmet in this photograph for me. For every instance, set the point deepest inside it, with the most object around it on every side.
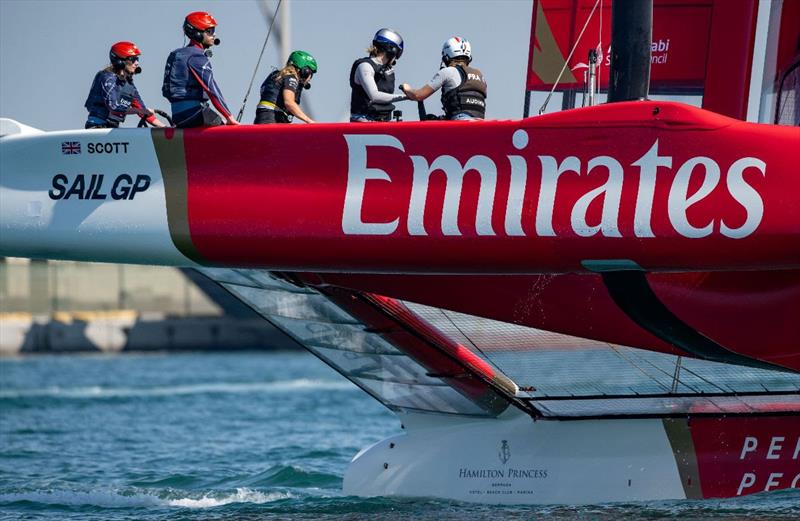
(304, 62)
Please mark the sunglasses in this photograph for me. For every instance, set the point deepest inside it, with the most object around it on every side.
(132, 59)
(210, 30)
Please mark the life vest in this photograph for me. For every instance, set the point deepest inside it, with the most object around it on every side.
(272, 91)
(179, 83)
(120, 97)
(469, 97)
(359, 101)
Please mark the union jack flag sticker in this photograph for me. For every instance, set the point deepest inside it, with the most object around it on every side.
(70, 147)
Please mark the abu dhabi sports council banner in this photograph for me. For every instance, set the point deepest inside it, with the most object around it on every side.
(679, 50)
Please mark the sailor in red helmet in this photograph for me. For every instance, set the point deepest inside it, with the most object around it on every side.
(113, 94)
(189, 80)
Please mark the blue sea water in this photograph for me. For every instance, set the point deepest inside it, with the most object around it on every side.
(218, 436)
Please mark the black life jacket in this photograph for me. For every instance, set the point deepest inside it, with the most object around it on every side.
(469, 97)
(272, 90)
(359, 101)
(179, 83)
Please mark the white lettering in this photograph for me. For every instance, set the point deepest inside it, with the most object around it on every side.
(357, 176)
(772, 481)
(454, 172)
(795, 481)
(612, 195)
(796, 449)
(679, 200)
(683, 190)
(516, 192)
(747, 481)
(775, 444)
(551, 171)
(750, 444)
(648, 169)
(745, 195)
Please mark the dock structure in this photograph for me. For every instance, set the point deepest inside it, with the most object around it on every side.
(64, 307)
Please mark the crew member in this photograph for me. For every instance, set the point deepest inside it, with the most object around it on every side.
(281, 91)
(113, 94)
(463, 87)
(189, 81)
(372, 79)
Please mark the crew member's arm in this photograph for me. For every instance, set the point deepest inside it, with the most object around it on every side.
(201, 70)
(138, 107)
(292, 107)
(426, 90)
(365, 76)
(118, 98)
(417, 94)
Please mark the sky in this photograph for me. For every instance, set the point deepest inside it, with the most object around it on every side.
(51, 50)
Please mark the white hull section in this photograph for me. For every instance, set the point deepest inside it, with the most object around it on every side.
(516, 461)
(84, 195)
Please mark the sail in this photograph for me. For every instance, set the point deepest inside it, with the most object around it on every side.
(700, 50)
(679, 49)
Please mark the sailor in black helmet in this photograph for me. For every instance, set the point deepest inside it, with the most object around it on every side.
(463, 87)
(372, 79)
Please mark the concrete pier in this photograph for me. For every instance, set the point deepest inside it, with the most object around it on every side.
(58, 307)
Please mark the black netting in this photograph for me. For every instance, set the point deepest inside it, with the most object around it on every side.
(363, 356)
(559, 376)
(557, 365)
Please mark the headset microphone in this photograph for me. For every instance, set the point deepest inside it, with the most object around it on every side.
(216, 41)
(138, 70)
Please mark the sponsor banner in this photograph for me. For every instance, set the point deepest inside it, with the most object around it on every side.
(679, 50)
(739, 455)
(654, 185)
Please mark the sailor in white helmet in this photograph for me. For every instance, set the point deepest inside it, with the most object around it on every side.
(463, 87)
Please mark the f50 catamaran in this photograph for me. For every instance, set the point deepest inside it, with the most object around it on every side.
(599, 304)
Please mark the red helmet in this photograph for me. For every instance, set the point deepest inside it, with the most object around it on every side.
(197, 22)
(124, 50)
(120, 52)
(200, 20)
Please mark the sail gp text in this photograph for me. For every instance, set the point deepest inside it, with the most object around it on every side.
(687, 185)
(96, 187)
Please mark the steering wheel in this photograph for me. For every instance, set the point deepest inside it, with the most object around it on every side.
(143, 121)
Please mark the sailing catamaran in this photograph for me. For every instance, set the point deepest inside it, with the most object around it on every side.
(598, 304)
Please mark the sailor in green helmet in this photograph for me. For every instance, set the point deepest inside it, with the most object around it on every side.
(280, 92)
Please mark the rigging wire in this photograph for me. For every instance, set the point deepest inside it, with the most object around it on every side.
(685, 369)
(666, 373)
(468, 339)
(631, 362)
(255, 71)
(676, 378)
(569, 57)
(600, 46)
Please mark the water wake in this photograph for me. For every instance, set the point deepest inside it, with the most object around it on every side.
(298, 385)
(123, 499)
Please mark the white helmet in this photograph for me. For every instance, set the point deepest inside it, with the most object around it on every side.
(455, 47)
